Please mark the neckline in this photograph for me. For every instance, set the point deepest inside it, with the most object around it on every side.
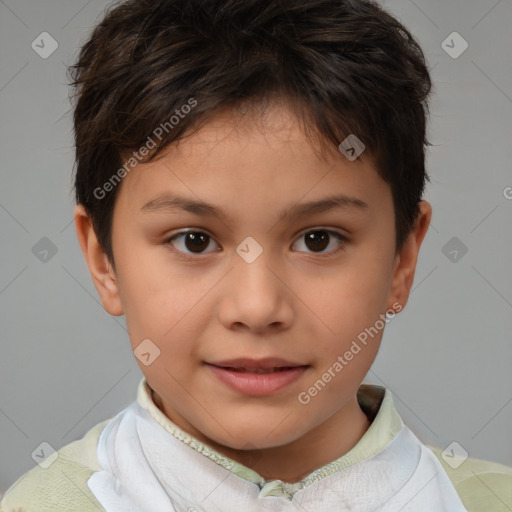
(375, 401)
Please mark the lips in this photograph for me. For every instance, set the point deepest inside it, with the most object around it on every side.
(266, 365)
(257, 377)
(257, 370)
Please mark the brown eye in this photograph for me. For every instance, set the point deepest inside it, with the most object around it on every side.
(316, 241)
(190, 242)
(196, 242)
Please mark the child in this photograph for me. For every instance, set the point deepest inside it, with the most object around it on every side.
(249, 186)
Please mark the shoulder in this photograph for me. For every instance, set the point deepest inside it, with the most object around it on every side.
(62, 486)
(481, 484)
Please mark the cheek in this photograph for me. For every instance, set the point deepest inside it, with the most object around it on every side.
(350, 299)
(163, 306)
(147, 298)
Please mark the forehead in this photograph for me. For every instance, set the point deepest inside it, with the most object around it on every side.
(259, 159)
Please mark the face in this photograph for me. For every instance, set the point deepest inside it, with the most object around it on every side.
(226, 248)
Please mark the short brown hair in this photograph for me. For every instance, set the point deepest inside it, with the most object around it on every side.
(346, 65)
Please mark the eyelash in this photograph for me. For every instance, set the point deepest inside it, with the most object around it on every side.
(195, 256)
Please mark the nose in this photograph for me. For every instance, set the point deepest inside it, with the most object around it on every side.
(256, 297)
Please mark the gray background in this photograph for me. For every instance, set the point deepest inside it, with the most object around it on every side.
(67, 365)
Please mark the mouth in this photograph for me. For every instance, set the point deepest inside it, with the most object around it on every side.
(265, 365)
(258, 370)
(257, 377)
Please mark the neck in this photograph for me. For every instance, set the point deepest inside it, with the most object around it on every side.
(293, 461)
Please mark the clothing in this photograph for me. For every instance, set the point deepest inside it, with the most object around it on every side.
(141, 461)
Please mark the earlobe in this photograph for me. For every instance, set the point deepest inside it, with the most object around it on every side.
(100, 267)
(405, 261)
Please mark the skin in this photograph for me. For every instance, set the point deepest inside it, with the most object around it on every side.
(295, 301)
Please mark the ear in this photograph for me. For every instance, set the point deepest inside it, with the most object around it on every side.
(406, 259)
(101, 270)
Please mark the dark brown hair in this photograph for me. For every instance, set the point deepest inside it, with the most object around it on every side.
(346, 67)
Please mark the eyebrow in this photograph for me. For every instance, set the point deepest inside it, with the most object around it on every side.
(171, 204)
